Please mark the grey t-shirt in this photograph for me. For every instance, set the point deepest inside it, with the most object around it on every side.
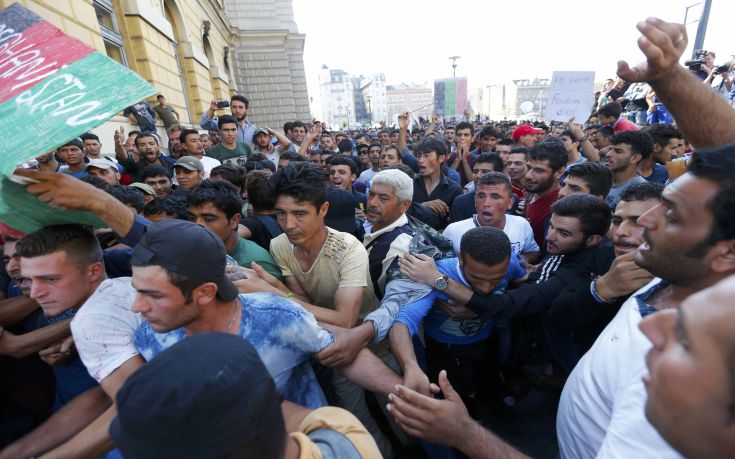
(614, 195)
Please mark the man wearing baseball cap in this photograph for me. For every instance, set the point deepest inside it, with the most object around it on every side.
(189, 172)
(105, 169)
(183, 290)
(225, 404)
(525, 135)
(262, 144)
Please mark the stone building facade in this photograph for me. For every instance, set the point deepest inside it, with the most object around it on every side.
(269, 61)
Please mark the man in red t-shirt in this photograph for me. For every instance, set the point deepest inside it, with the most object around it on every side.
(546, 164)
(609, 114)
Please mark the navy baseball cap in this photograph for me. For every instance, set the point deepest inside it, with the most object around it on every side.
(205, 397)
(188, 250)
(341, 213)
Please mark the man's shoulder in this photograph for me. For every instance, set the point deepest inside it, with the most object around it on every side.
(460, 226)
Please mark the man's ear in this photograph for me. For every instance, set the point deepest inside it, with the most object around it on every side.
(235, 221)
(592, 241)
(722, 256)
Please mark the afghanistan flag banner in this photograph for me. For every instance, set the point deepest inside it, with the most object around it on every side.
(53, 88)
(450, 97)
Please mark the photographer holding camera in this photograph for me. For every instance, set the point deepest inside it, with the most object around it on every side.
(724, 85)
(702, 64)
(239, 106)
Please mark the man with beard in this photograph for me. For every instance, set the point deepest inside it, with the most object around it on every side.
(239, 106)
(629, 149)
(689, 245)
(546, 164)
(150, 154)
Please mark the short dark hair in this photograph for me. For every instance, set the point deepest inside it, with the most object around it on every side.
(304, 182)
(486, 245)
(642, 192)
(492, 158)
(593, 214)
(568, 133)
(221, 194)
(519, 150)
(173, 206)
(430, 144)
(155, 171)
(142, 135)
(405, 169)
(613, 109)
(160, 96)
(259, 195)
(224, 119)
(343, 161)
(606, 131)
(186, 133)
(128, 195)
(489, 131)
(597, 177)
(661, 134)
(89, 136)
(291, 156)
(494, 178)
(296, 124)
(287, 126)
(552, 150)
(345, 146)
(241, 98)
(78, 243)
(392, 146)
(640, 142)
(465, 125)
(717, 165)
(231, 173)
(506, 141)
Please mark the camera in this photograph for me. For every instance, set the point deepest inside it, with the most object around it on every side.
(695, 64)
(724, 68)
(223, 103)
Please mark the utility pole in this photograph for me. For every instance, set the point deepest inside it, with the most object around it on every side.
(454, 65)
(702, 26)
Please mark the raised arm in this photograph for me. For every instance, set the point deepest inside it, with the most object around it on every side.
(702, 115)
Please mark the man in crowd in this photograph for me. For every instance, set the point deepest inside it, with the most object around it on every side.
(374, 153)
(189, 172)
(239, 106)
(192, 144)
(546, 164)
(463, 206)
(503, 148)
(525, 135)
(72, 153)
(105, 169)
(148, 154)
(143, 115)
(216, 205)
(158, 178)
(665, 141)
(485, 264)
(432, 188)
(515, 161)
(587, 178)
(230, 150)
(610, 115)
(165, 112)
(389, 157)
(493, 198)
(262, 144)
(629, 149)
(342, 172)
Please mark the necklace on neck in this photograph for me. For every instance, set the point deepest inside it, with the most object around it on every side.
(232, 319)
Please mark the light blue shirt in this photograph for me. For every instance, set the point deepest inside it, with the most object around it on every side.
(244, 134)
(283, 333)
(440, 326)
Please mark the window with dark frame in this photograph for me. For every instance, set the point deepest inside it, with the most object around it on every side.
(110, 31)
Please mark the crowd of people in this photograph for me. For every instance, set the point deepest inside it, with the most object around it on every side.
(381, 292)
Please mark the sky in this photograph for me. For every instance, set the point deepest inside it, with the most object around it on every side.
(410, 41)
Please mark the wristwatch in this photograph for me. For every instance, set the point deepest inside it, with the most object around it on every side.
(441, 283)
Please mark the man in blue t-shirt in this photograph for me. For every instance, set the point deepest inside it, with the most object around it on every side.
(486, 264)
(182, 290)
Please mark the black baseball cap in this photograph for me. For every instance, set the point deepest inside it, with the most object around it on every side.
(188, 250)
(205, 397)
(341, 213)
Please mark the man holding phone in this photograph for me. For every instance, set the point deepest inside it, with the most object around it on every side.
(239, 107)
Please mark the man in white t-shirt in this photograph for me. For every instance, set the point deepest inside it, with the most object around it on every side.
(690, 246)
(192, 143)
(493, 197)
